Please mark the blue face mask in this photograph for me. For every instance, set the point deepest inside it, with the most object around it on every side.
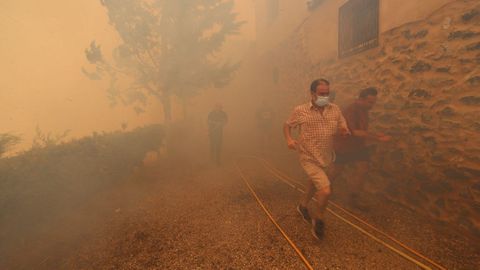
(322, 101)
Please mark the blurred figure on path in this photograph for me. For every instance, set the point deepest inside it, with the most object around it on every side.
(264, 118)
(354, 150)
(318, 122)
(217, 119)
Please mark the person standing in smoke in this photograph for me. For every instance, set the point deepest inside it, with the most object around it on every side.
(354, 150)
(318, 122)
(264, 116)
(217, 119)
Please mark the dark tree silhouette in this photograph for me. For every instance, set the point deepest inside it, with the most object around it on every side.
(168, 49)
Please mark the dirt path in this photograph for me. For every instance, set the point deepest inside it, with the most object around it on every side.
(203, 217)
(443, 244)
(210, 221)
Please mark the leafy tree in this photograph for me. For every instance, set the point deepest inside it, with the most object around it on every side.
(7, 141)
(168, 48)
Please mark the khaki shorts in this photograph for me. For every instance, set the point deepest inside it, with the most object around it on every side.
(316, 174)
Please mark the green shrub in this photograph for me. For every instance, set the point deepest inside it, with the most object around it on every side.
(47, 180)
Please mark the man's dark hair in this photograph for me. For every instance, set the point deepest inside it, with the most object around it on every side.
(370, 91)
(317, 82)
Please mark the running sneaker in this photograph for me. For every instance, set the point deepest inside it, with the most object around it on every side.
(304, 212)
(318, 227)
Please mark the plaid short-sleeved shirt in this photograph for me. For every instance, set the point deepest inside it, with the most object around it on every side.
(317, 131)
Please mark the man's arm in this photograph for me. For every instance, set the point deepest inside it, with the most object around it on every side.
(287, 132)
(371, 136)
(343, 129)
(361, 133)
(292, 122)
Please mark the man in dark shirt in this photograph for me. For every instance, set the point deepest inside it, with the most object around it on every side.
(216, 120)
(354, 149)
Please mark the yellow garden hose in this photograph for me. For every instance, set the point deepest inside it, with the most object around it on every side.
(290, 242)
(288, 180)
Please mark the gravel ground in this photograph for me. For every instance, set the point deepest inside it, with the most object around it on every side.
(202, 221)
(443, 244)
(203, 217)
(342, 248)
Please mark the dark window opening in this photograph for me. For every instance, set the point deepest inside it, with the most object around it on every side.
(358, 27)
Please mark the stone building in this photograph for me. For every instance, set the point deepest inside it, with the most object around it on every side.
(277, 19)
(426, 64)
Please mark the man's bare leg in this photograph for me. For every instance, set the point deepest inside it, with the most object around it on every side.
(308, 195)
(318, 224)
(321, 197)
(302, 208)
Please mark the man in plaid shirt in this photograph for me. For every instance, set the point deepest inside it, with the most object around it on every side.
(318, 122)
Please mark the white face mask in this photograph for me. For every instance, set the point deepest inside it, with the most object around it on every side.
(322, 101)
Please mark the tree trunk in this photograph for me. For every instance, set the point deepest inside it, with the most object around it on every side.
(167, 111)
(167, 108)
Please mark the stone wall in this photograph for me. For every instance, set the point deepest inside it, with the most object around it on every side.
(322, 22)
(428, 74)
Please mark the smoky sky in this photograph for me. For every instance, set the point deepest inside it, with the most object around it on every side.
(42, 51)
